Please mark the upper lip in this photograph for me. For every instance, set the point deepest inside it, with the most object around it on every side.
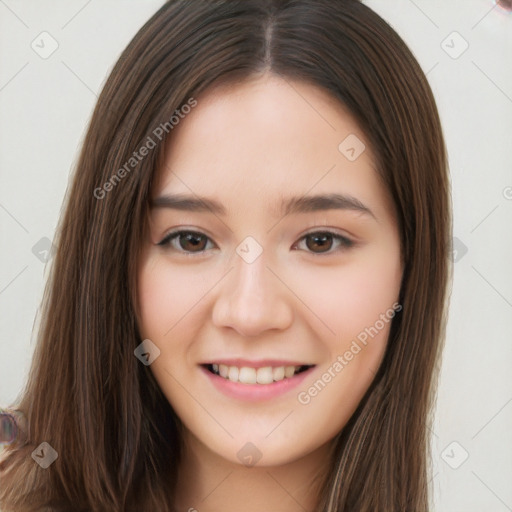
(259, 363)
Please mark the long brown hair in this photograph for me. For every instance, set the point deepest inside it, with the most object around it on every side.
(116, 435)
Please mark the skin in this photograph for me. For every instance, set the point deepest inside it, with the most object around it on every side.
(249, 146)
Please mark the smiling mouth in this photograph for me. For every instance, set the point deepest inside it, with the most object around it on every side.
(263, 375)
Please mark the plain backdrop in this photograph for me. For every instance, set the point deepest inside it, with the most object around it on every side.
(464, 46)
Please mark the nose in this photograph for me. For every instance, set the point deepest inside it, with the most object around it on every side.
(252, 299)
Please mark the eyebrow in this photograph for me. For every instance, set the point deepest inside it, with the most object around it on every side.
(302, 204)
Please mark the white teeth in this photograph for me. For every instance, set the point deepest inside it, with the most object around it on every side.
(289, 371)
(264, 375)
(278, 373)
(247, 375)
(233, 373)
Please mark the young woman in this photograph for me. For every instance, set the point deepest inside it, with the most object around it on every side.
(247, 305)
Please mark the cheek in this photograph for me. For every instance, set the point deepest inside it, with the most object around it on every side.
(169, 300)
(166, 294)
(350, 297)
(373, 288)
(359, 309)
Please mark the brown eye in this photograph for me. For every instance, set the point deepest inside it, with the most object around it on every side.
(191, 241)
(187, 241)
(321, 242)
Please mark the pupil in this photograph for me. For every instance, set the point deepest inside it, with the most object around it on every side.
(322, 239)
(193, 239)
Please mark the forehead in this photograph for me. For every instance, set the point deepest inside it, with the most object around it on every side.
(260, 141)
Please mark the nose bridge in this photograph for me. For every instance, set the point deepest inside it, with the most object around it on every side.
(252, 300)
(251, 274)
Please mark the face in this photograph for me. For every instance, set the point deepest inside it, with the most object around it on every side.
(271, 321)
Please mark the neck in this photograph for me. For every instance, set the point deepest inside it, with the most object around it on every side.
(209, 483)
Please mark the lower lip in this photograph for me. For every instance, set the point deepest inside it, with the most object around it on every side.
(255, 392)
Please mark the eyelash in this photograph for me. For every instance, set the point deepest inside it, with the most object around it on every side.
(344, 242)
